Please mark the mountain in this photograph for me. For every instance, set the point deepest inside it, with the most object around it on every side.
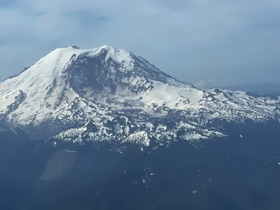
(112, 131)
(262, 88)
(265, 88)
(111, 95)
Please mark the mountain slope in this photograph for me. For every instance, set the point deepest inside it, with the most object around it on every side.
(108, 94)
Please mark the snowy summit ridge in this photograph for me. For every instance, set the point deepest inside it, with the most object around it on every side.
(109, 94)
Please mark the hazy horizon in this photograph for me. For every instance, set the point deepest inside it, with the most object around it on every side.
(198, 40)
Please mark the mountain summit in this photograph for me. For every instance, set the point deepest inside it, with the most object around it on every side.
(108, 94)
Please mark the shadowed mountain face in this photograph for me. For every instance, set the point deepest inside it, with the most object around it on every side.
(104, 73)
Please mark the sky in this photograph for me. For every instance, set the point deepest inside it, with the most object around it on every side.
(221, 41)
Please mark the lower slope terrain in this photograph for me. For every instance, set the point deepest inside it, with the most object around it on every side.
(240, 171)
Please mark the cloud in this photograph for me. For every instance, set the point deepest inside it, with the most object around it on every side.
(192, 40)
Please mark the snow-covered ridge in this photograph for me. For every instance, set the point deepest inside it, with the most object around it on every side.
(108, 94)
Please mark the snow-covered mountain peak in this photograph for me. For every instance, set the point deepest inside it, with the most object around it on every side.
(54, 66)
(111, 94)
(68, 75)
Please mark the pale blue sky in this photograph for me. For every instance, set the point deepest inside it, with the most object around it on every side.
(222, 40)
